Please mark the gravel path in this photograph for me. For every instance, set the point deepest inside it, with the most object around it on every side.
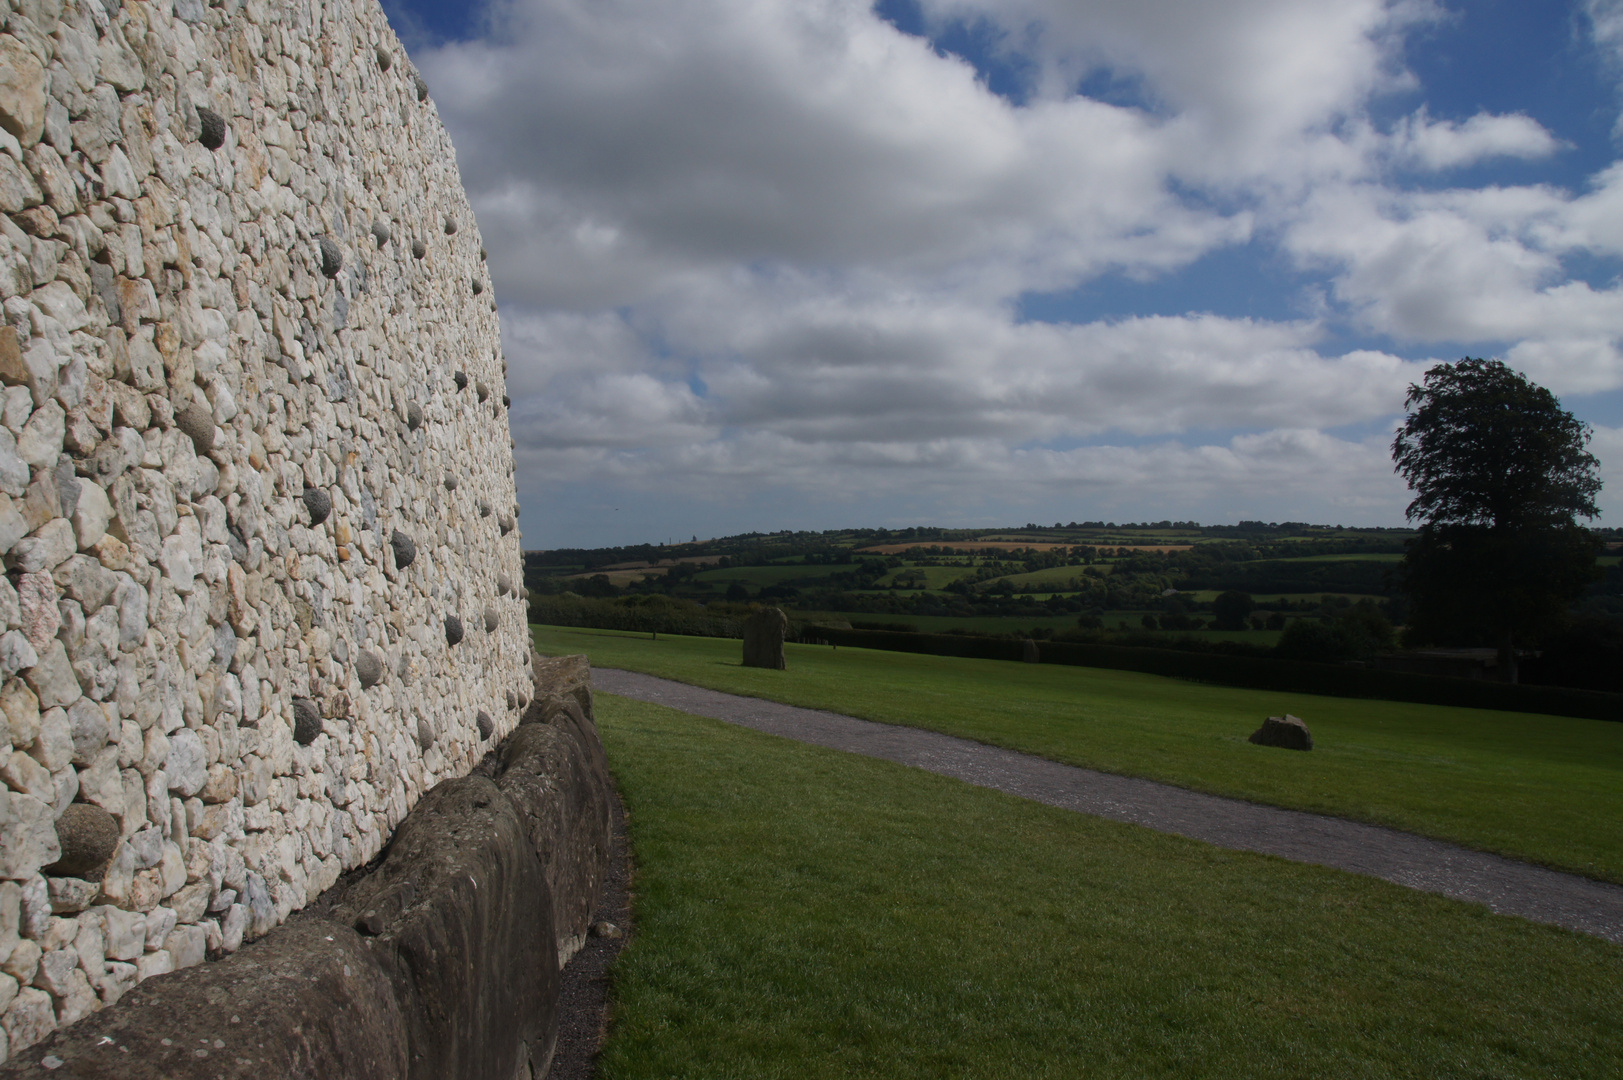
(1504, 885)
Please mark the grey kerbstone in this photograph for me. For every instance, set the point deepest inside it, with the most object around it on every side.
(381, 233)
(405, 551)
(332, 259)
(211, 128)
(1287, 732)
(319, 503)
(306, 721)
(453, 629)
(763, 639)
(368, 669)
(87, 836)
(486, 725)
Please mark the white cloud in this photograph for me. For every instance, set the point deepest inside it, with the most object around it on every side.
(1446, 145)
(756, 244)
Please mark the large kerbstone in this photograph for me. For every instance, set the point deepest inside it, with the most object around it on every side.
(459, 916)
(569, 676)
(309, 1000)
(561, 792)
(763, 639)
(1283, 731)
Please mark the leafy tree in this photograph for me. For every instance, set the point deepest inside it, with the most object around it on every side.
(1231, 608)
(1500, 473)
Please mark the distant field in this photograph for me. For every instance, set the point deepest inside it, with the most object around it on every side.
(806, 913)
(1387, 557)
(1011, 545)
(757, 576)
(1544, 788)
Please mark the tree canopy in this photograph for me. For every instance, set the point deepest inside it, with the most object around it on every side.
(1484, 446)
(1500, 473)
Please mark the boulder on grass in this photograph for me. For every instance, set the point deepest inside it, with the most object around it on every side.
(1284, 731)
(763, 639)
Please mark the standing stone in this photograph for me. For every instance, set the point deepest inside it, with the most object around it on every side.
(306, 721)
(319, 503)
(404, 550)
(763, 639)
(1283, 731)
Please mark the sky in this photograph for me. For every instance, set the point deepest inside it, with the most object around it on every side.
(811, 264)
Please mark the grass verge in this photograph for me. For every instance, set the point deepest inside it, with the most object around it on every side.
(1547, 789)
(806, 913)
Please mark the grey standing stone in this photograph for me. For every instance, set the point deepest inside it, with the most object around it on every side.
(404, 550)
(87, 835)
(319, 503)
(368, 669)
(306, 721)
(453, 629)
(332, 259)
(380, 233)
(486, 725)
(197, 423)
(212, 128)
(1287, 732)
(763, 639)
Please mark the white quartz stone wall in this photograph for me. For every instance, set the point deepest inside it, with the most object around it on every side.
(242, 286)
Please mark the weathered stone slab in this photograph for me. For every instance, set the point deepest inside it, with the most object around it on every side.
(561, 792)
(309, 1000)
(1283, 731)
(459, 916)
(763, 639)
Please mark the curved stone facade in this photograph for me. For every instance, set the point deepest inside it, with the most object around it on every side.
(263, 574)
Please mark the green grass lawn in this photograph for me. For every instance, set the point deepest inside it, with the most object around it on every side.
(1544, 788)
(805, 913)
